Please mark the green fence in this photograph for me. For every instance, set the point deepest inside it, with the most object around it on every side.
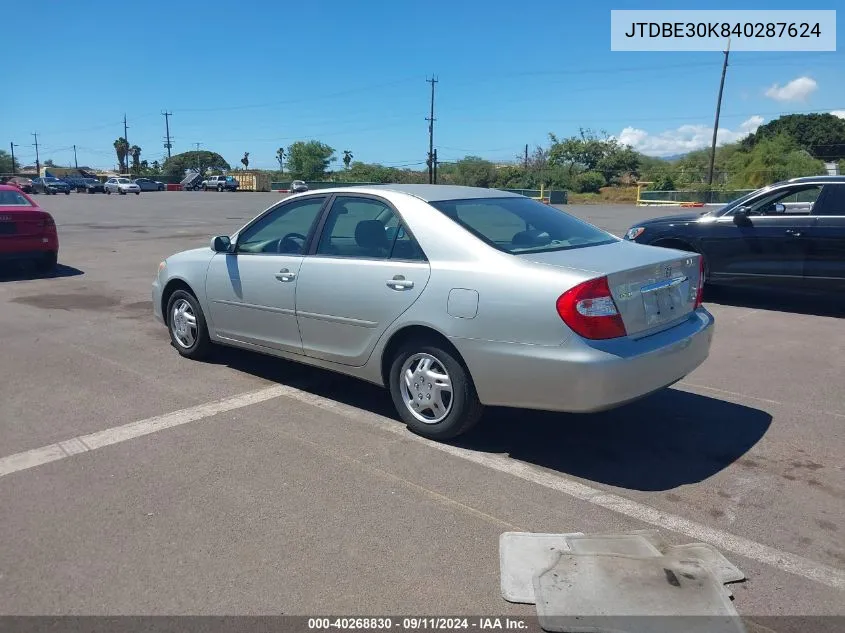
(555, 197)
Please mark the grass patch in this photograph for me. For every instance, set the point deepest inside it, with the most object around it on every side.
(607, 195)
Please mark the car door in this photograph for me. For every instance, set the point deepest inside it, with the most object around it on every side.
(252, 289)
(769, 245)
(365, 271)
(825, 264)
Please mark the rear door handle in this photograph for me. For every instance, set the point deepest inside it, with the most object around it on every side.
(399, 283)
(285, 275)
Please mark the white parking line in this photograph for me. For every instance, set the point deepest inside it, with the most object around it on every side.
(771, 556)
(115, 434)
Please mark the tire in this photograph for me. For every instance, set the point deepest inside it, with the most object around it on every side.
(47, 264)
(108, 191)
(462, 411)
(137, 193)
(67, 193)
(205, 187)
(190, 341)
(219, 189)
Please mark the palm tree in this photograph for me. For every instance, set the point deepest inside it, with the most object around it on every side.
(245, 160)
(121, 147)
(347, 158)
(135, 153)
(280, 156)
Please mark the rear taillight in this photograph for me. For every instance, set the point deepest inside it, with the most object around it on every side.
(699, 294)
(590, 311)
(48, 225)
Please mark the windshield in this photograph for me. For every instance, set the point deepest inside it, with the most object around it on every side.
(521, 225)
(51, 179)
(124, 181)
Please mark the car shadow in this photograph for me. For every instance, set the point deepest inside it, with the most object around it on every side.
(669, 439)
(23, 272)
(806, 302)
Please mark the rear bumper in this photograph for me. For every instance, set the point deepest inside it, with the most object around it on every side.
(586, 376)
(17, 256)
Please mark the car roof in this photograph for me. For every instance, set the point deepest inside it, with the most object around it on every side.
(826, 178)
(431, 193)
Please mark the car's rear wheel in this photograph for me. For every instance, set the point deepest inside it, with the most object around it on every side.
(219, 189)
(186, 323)
(433, 391)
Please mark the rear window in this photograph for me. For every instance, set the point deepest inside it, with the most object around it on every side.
(13, 199)
(521, 225)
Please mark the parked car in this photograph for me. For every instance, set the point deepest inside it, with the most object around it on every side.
(50, 185)
(451, 297)
(92, 185)
(791, 233)
(147, 184)
(121, 186)
(27, 232)
(21, 182)
(220, 183)
(298, 186)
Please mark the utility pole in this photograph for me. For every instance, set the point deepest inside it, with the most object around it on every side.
(198, 157)
(716, 125)
(167, 116)
(75, 162)
(13, 146)
(430, 120)
(126, 138)
(526, 156)
(37, 159)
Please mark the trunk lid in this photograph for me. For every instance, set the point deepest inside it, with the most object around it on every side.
(654, 288)
(16, 222)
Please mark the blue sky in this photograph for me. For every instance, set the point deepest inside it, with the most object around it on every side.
(253, 76)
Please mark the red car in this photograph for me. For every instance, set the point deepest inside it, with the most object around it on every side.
(27, 232)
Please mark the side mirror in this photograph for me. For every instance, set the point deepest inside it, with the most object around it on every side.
(221, 244)
(741, 217)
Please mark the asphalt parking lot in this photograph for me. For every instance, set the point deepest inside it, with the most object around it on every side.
(307, 496)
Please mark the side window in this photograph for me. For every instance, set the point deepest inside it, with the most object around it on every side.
(284, 230)
(833, 202)
(362, 227)
(797, 200)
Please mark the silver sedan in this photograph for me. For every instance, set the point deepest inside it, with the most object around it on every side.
(451, 297)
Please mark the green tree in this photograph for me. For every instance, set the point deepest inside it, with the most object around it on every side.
(6, 166)
(589, 182)
(121, 148)
(822, 135)
(135, 153)
(177, 164)
(474, 171)
(347, 158)
(309, 160)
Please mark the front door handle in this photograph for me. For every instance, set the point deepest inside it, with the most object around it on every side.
(793, 233)
(399, 283)
(285, 275)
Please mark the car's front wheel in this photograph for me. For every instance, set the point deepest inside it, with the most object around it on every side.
(186, 323)
(433, 391)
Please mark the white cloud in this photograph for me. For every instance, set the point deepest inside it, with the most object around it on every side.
(839, 113)
(796, 90)
(686, 138)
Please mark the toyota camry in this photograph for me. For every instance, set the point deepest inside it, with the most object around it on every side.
(452, 298)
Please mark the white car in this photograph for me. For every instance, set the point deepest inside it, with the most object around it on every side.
(121, 186)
